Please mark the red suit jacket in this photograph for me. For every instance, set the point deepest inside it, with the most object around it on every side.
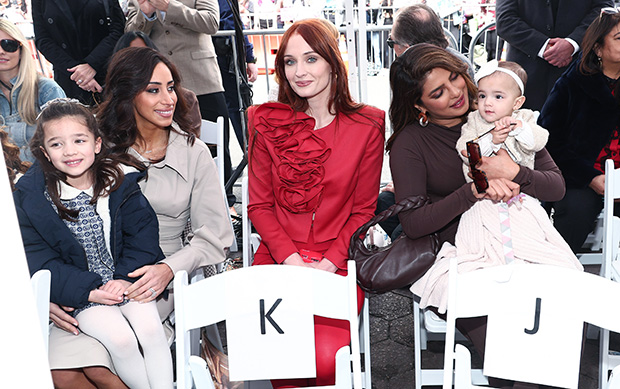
(311, 188)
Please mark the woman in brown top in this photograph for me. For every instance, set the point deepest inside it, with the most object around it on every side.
(432, 95)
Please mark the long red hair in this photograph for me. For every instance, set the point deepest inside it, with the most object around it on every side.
(321, 39)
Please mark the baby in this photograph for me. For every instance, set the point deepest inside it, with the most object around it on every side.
(499, 122)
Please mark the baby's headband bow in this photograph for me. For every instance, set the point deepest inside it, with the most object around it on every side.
(493, 66)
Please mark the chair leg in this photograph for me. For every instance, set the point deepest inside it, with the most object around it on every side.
(417, 346)
(603, 359)
(365, 344)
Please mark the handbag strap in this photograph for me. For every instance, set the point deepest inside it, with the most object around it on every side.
(407, 204)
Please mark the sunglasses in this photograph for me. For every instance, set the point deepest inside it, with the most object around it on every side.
(608, 11)
(475, 157)
(10, 45)
(391, 42)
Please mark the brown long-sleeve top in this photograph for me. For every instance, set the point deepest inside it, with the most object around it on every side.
(423, 161)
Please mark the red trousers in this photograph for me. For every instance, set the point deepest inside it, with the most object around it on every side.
(329, 336)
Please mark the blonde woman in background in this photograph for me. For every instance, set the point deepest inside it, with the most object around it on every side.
(24, 91)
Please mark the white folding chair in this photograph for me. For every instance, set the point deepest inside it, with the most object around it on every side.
(40, 282)
(614, 378)
(536, 315)
(251, 241)
(427, 326)
(213, 133)
(263, 342)
(594, 243)
(610, 268)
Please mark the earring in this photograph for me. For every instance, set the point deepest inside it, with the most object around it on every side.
(599, 61)
(423, 119)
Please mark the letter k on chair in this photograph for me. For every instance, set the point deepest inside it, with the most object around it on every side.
(536, 316)
(269, 312)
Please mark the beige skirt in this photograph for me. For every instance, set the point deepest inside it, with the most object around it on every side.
(68, 351)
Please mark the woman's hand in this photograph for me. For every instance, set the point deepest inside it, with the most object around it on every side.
(62, 319)
(499, 166)
(500, 189)
(82, 73)
(296, 260)
(91, 86)
(327, 265)
(390, 185)
(103, 297)
(598, 184)
(152, 278)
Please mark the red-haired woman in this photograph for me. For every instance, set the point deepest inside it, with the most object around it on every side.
(315, 165)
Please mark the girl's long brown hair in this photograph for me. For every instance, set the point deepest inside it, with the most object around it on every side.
(106, 172)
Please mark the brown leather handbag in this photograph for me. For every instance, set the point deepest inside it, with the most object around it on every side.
(381, 269)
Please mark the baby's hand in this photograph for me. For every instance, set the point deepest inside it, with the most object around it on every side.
(503, 126)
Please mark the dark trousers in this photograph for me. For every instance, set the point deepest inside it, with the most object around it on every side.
(575, 215)
(212, 106)
(392, 225)
(229, 80)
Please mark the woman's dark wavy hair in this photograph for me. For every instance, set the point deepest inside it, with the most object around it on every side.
(125, 40)
(407, 78)
(106, 171)
(129, 74)
(593, 40)
(321, 39)
(13, 161)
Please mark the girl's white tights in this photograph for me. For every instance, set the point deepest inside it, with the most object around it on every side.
(115, 326)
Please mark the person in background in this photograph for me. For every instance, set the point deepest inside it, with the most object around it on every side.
(419, 23)
(543, 37)
(226, 63)
(24, 91)
(315, 160)
(77, 37)
(15, 167)
(182, 31)
(582, 115)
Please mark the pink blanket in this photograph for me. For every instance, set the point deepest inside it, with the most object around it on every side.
(479, 244)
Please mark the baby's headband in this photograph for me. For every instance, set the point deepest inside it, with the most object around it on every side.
(493, 66)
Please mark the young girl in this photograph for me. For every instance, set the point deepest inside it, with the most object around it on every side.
(87, 222)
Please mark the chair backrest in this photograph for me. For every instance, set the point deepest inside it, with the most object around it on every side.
(213, 133)
(611, 223)
(269, 313)
(40, 282)
(535, 319)
(251, 240)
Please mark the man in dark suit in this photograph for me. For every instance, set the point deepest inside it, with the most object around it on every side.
(544, 37)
